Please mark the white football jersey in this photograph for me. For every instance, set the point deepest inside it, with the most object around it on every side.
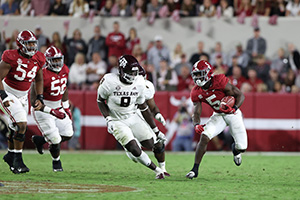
(121, 98)
(149, 91)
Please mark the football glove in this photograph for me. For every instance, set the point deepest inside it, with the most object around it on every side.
(199, 129)
(68, 111)
(160, 118)
(56, 113)
(227, 109)
(110, 124)
(161, 136)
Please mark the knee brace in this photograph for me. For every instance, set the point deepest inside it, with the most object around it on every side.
(18, 136)
(159, 147)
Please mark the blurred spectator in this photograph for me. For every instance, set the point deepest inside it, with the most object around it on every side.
(73, 143)
(113, 66)
(195, 57)
(77, 74)
(138, 53)
(11, 42)
(188, 8)
(217, 52)
(106, 9)
(139, 8)
(43, 49)
(131, 41)
(176, 55)
(124, 8)
(58, 8)
(274, 77)
(262, 87)
(158, 52)
(79, 8)
(40, 7)
(280, 64)
(243, 6)
(262, 7)
(293, 8)
(278, 7)
(225, 9)
(171, 5)
(207, 9)
(293, 58)
(289, 81)
(256, 45)
(115, 41)
(25, 7)
(2, 46)
(42, 39)
(243, 58)
(253, 80)
(262, 67)
(246, 87)
(74, 45)
(237, 78)
(10, 7)
(185, 81)
(220, 67)
(183, 62)
(153, 8)
(56, 41)
(185, 131)
(97, 44)
(167, 79)
(95, 71)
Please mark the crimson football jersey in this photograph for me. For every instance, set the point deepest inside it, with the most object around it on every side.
(213, 95)
(23, 70)
(55, 84)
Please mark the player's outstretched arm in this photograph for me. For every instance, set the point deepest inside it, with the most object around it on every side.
(155, 111)
(39, 89)
(105, 112)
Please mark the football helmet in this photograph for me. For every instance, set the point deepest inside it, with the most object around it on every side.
(128, 68)
(54, 58)
(202, 72)
(27, 43)
(142, 72)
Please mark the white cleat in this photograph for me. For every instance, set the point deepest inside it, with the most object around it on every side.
(191, 175)
(237, 159)
(160, 176)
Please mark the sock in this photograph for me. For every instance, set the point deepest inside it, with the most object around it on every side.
(18, 151)
(158, 170)
(234, 150)
(162, 165)
(56, 159)
(10, 152)
(195, 168)
(144, 159)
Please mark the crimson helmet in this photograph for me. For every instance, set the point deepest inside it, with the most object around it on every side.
(202, 72)
(54, 58)
(128, 68)
(23, 40)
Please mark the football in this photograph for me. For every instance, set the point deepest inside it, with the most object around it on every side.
(228, 100)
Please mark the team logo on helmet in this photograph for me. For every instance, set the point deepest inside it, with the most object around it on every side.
(27, 43)
(128, 68)
(202, 72)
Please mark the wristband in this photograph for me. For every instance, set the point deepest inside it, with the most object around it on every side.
(40, 97)
(66, 104)
(108, 119)
(46, 109)
(235, 107)
(196, 124)
(155, 130)
(3, 94)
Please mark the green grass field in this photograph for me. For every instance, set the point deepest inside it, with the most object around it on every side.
(261, 176)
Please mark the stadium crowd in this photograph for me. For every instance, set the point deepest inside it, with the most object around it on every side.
(247, 66)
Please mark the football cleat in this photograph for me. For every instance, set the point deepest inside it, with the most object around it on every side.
(191, 175)
(160, 176)
(18, 165)
(9, 159)
(39, 147)
(166, 174)
(57, 166)
(237, 159)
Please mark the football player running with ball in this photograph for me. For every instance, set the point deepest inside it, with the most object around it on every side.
(18, 69)
(210, 89)
(54, 119)
(117, 97)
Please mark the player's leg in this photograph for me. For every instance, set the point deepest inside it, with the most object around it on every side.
(214, 126)
(9, 156)
(239, 134)
(159, 153)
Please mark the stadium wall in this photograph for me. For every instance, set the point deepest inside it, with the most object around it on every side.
(272, 120)
(188, 31)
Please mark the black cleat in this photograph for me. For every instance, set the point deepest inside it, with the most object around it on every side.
(9, 159)
(18, 165)
(57, 166)
(39, 147)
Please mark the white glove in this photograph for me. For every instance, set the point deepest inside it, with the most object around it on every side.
(109, 124)
(161, 136)
(160, 118)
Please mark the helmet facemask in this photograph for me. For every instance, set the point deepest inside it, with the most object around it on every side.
(29, 47)
(201, 77)
(55, 63)
(130, 76)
